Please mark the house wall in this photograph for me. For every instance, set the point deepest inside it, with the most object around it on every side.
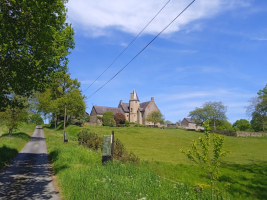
(93, 118)
(150, 108)
(184, 123)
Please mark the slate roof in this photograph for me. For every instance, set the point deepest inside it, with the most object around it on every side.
(125, 107)
(144, 105)
(135, 97)
(189, 120)
(101, 109)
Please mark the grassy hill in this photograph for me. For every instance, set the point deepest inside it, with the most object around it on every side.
(243, 172)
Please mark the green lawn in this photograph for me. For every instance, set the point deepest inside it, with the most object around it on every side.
(243, 172)
(11, 145)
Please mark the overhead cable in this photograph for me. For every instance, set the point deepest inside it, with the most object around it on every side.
(127, 46)
(142, 49)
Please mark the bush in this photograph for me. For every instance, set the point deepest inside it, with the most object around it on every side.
(107, 118)
(138, 125)
(119, 118)
(77, 122)
(122, 155)
(87, 119)
(127, 123)
(91, 140)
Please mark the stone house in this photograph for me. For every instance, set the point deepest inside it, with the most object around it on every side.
(134, 111)
(189, 123)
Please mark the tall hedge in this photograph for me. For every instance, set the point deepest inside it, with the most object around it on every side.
(108, 118)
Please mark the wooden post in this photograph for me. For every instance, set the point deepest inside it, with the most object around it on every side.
(112, 145)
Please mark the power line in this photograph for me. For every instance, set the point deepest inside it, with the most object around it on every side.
(127, 46)
(143, 48)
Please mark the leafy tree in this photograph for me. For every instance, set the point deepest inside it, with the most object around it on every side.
(212, 111)
(201, 155)
(242, 124)
(108, 118)
(62, 92)
(257, 109)
(179, 122)
(225, 126)
(168, 122)
(119, 118)
(34, 42)
(36, 119)
(14, 115)
(257, 124)
(155, 117)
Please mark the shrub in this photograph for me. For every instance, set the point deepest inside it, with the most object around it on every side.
(77, 122)
(138, 125)
(87, 119)
(122, 155)
(91, 140)
(107, 118)
(127, 123)
(119, 118)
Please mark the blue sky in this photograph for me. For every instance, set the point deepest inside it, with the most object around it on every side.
(216, 51)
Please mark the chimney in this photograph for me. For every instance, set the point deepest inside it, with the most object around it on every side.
(152, 98)
(120, 102)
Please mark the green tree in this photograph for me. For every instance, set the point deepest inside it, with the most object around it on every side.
(155, 117)
(257, 109)
(108, 118)
(168, 122)
(14, 115)
(36, 119)
(212, 111)
(225, 126)
(62, 92)
(34, 41)
(242, 124)
(201, 155)
(179, 122)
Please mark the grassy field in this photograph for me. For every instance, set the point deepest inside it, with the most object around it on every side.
(243, 172)
(11, 145)
(80, 175)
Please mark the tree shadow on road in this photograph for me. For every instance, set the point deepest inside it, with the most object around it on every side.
(27, 177)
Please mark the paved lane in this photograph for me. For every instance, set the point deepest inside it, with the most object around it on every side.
(28, 175)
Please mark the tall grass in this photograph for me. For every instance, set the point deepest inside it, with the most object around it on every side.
(81, 175)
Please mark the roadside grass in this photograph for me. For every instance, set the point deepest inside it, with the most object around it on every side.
(80, 175)
(11, 145)
(243, 172)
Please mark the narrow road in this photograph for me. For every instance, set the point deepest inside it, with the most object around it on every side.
(27, 176)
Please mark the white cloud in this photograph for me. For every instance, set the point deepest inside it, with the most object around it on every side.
(95, 18)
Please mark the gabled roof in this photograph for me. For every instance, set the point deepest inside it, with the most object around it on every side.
(144, 105)
(135, 97)
(101, 109)
(189, 120)
(125, 107)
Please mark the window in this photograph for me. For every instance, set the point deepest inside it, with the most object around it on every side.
(131, 109)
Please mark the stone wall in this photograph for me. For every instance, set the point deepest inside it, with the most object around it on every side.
(239, 133)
